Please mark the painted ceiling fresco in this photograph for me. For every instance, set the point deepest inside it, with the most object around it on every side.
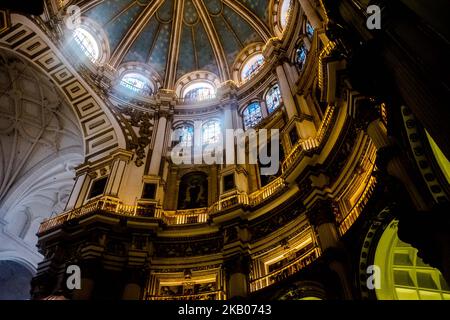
(208, 30)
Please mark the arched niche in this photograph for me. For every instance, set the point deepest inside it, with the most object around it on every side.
(193, 191)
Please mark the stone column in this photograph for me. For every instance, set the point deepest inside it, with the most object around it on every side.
(322, 218)
(133, 285)
(285, 90)
(311, 14)
(388, 156)
(117, 171)
(76, 192)
(88, 273)
(237, 270)
(158, 146)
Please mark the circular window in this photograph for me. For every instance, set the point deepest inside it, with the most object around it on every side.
(87, 44)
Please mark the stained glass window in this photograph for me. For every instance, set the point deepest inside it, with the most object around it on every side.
(273, 98)
(185, 135)
(301, 54)
(309, 30)
(211, 132)
(252, 115)
(252, 66)
(199, 91)
(87, 43)
(136, 83)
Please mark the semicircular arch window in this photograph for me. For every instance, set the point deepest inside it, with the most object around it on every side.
(404, 276)
(87, 43)
(273, 98)
(211, 132)
(199, 91)
(252, 115)
(137, 83)
(252, 66)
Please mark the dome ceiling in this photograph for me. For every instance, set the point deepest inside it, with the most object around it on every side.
(176, 37)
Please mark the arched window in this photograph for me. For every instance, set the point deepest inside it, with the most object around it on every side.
(252, 66)
(300, 56)
(273, 98)
(284, 14)
(199, 91)
(137, 83)
(404, 276)
(87, 43)
(184, 135)
(252, 115)
(211, 132)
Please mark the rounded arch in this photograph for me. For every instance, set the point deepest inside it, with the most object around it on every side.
(94, 32)
(139, 68)
(402, 275)
(242, 58)
(199, 76)
(303, 290)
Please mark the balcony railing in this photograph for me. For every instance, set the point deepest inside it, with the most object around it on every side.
(266, 192)
(286, 271)
(213, 295)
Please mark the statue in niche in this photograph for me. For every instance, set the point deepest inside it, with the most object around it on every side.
(193, 191)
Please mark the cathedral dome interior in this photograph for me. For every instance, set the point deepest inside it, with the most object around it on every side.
(224, 149)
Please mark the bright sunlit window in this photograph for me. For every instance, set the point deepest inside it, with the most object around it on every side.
(211, 132)
(273, 98)
(284, 16)
(252, 66)
(252, 115)
(87, 44)
(137, 83)
(199, 91)
(185, 135)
